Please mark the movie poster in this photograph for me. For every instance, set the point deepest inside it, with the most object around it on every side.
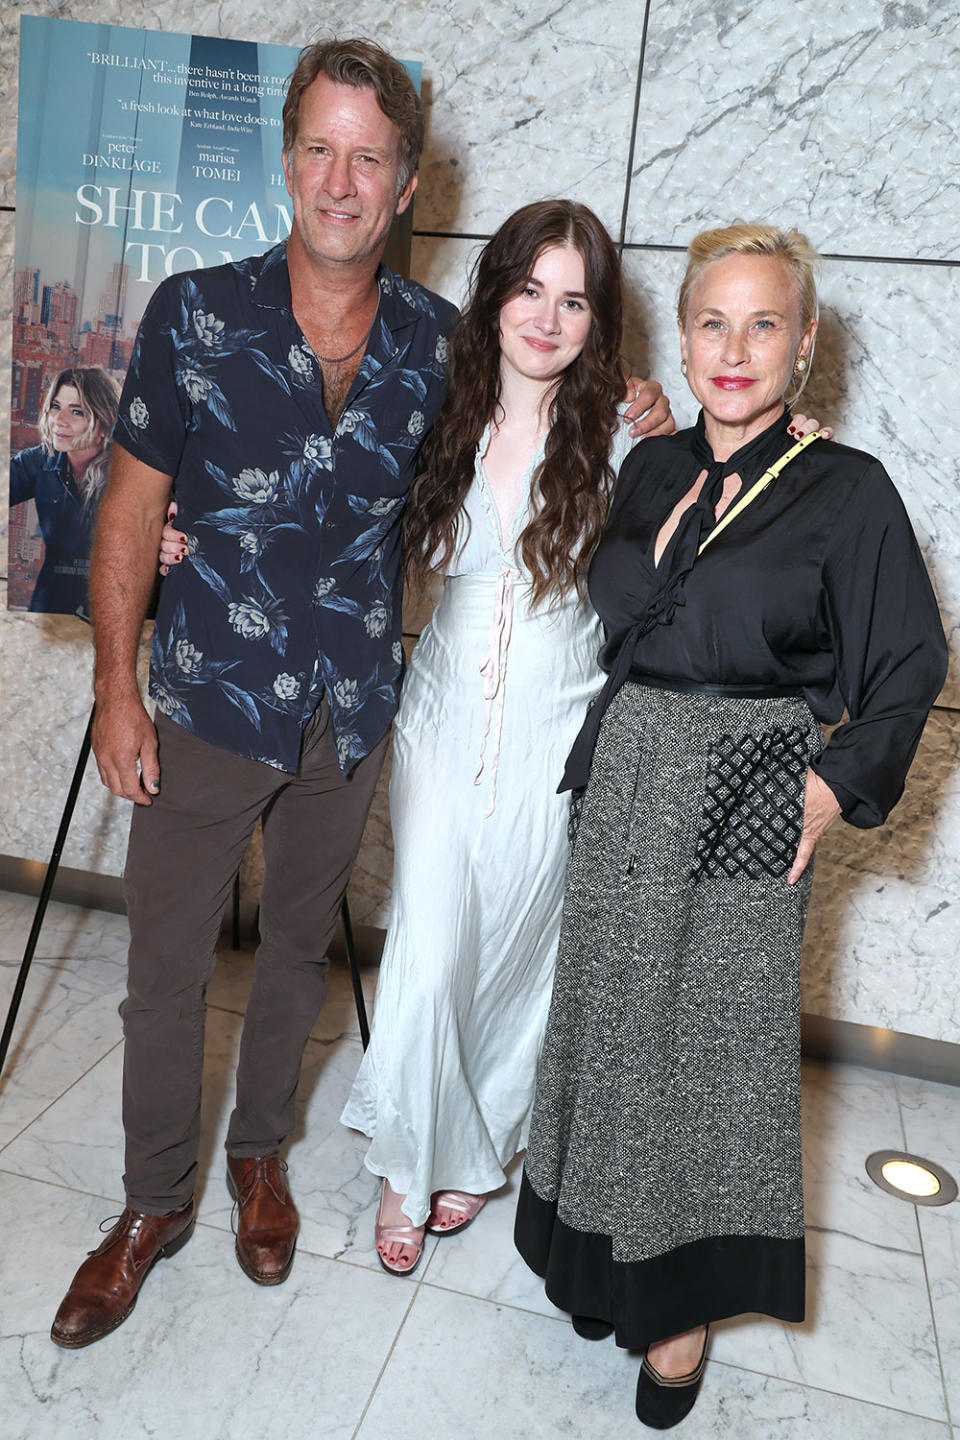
(139, 154)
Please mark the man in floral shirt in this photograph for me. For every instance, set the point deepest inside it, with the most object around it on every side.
(285, 398)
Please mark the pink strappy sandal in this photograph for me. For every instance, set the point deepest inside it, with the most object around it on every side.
(409, 1235)
(466, 1206)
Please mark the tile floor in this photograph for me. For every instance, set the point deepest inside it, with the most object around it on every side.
(469, 1348)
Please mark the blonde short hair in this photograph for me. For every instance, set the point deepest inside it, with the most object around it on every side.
(746, 238)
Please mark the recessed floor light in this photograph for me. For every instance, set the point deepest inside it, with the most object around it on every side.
(912, 1178)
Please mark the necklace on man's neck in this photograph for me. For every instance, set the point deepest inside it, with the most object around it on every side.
(339, 359)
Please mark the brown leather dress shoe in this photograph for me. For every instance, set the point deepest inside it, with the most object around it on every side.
(105, 1288)
(267, 1219)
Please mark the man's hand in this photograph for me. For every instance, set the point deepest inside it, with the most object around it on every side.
(649, 410)
(122, 570)
(124, 734)
(820, 808)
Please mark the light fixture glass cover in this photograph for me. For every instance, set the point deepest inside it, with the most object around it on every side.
(911, 1177)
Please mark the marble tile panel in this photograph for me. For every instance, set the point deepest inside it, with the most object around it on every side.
(940, 1230)
(868, 1333)
(77, 1142)
(45, 701)
(9, 51)
(67, 1022)
(833, 119)
(69, 932)
(548, 1380)
(931, 1117)
(524, 101)
(443, 263)
(884, 924)
(207, 1355)
(483, 1372)
(848, 1112)
(931, 1122)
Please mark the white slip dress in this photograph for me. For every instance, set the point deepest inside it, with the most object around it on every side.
(492, 700)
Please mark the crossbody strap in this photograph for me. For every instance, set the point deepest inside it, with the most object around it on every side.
(765, 479)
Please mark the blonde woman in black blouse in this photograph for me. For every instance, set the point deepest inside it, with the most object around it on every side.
(750, 589)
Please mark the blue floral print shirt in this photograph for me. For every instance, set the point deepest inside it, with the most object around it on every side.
(292, 585)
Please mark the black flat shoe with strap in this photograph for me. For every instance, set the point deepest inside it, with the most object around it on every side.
(664, 1400)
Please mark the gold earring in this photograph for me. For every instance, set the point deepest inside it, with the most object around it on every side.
(800, 368)
(683, 367)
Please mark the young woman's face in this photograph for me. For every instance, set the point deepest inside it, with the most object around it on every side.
(545, 327)
(68, 422)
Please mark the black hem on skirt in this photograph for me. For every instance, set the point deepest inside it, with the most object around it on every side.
(649, 1300)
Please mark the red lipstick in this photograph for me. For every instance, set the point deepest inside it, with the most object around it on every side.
(731, 382)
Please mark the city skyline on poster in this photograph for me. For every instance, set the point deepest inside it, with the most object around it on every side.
(171, 161)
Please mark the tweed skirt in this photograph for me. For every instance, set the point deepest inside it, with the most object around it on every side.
(662, 1183)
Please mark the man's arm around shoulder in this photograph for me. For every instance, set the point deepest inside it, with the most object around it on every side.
(122, 571)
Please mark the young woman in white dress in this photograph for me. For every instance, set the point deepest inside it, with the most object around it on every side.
(509, 507)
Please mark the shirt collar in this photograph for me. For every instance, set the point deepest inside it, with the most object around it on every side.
(270, 280)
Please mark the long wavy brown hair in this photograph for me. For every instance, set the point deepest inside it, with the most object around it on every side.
(571, 487)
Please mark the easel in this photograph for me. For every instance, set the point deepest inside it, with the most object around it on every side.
(47, 888)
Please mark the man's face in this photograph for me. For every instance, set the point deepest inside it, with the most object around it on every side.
(343, 174)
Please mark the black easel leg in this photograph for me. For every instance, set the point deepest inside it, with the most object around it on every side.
(354, 972)
(45, 892)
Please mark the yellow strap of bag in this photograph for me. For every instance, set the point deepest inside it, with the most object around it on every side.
(765, 479)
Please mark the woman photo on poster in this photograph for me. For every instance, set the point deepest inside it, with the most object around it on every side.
(64, 476)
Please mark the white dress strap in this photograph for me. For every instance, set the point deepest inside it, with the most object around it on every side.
(494, 672)
(494, 667)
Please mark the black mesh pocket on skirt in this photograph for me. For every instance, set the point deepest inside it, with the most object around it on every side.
(753, 805)
(573, 817)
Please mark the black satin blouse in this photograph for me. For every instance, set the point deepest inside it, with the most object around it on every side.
(817, 587)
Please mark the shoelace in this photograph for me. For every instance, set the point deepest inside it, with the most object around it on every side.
(129, 1223)
(256, 1175)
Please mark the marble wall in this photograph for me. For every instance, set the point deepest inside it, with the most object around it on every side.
(837, 117)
